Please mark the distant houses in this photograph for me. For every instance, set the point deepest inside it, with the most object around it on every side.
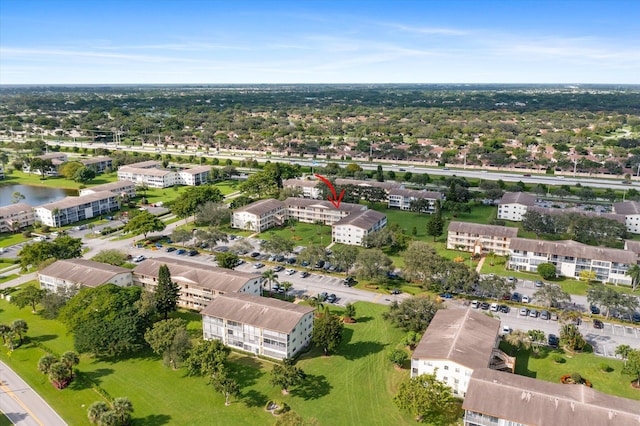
(513, 205)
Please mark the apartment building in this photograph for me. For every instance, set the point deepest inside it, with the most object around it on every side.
(571, 258)
(496, 398)
(387, 186)
(1, 172)
(513, 205)
(57, 158)
(631, 212)
(74, 209)
(123, 188)
(152, 177)
(199, 283)
(150, 164)
(402, 199)
(456, 343)
(15, 217)
(313, 211)
(479, 239)
(259, 325)
(309, 188)
(574, 210)
(82, 273)
(260, 215)
(353, 228)
(98, 164)
(194, 176)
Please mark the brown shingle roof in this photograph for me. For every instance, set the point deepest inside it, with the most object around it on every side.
(518, 198)
(466, 337)
(364, 220)
(627, 207)
(81, 271)
(633, 246)
(144, 164)
(299, 182)
(261, 207)
(573, 249)
(384, 185)
(476, 228)
(13, 209)
(268, 313)
(324, 204)
(535, 402)
(112, 186)
(94, 160)
(207, 276)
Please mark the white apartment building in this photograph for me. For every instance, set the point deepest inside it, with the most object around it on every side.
(259, 325)
(456, 343)
(74, 209)
(496, 398)
(571, 258)
(312, 211)
(631, 212)
(98, 164)
(479, 239)
(309, 188)
(387, 186)
(124, 188)
(402, 198)
(15, 217)
(194, 176)
(57, 158)
(82, 273)
(259, 216)
(199, 283)
(152, 177)
(513, 205)
(353, 228)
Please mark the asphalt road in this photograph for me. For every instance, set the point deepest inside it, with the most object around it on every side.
(21, 404)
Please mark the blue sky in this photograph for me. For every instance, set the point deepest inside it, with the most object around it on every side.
(235, 41)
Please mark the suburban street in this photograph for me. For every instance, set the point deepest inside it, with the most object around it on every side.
(21, 404)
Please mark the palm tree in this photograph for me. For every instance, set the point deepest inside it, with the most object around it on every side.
(519, 339)
(59, 375)
(634, 273)
(623, 351)
(96, 411)
(19, 327)
(122, 408)
(286, 285)
(537, 338)
(56, 217)
(5, 330)
(45, 363)
(270, 277)
(70, 359)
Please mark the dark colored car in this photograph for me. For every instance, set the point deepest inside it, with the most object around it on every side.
(348, 281)
(594, 309)
(484, 306)
(446, 295)
(332, 298)
(635, 317)
(319, 264)
(395, 291)
(323, 296)
(304, 274)
(170, 249)
(515, 297)
(504, 309)
(280, 258)
(597, 323)
(553, 340)
(291, 260)
(545, 315)
(181, 251)
(193, 253)
(305, 263)
(255, 254)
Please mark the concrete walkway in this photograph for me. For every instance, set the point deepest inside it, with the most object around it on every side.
(480, 263)
(21, 404)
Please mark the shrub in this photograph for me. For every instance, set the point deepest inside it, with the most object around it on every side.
(576, 377)
(604, 367)
(558, 359)
(547, 270)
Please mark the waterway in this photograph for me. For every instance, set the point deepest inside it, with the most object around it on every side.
(34, 195)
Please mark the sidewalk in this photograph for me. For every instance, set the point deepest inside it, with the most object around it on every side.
(21, 404)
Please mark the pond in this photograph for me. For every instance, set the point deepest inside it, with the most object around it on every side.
(34, 195)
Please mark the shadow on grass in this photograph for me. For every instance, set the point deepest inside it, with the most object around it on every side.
(313, 387)
(363, 319)
(253, 398)
(152, 420)
(246, 371)
(87, 379)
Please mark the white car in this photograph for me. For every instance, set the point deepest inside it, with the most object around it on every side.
(494, 307)
(290, 271)
(506, 329)
(525, 298)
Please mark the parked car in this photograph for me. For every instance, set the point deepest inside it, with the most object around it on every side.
(258, 265)
(504, 309)
(635, 317)
(290, 271)
(319, 264)
(554, 316)
(484, 306)
(539, 283)
(278, 268)
(515, 297)
(332, 298)
(524, 312)
(598, 324)
(512, 280)
(323, 296)
(304, 274)
(525, 298)
(446, 295)
(255, 254)
(475, 304)
(280, 258)
(533, 313)
(594, 309)
(544, 315)
(395, 291)
(553, 340)
(291, 260)
(506, 330)
(181, 251)
(139, 258)
(193, 253)
(348, 281)
(170, 249)
(494, 307)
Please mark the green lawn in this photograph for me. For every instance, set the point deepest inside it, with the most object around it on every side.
(227, 187)
(302, 234)
(8, 239)
(353, 386)
(4, 421)
(588, 365)
(17, 177)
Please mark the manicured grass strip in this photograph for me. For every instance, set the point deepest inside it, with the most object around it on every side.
(302, 234)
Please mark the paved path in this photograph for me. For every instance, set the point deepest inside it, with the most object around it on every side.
(21, 404)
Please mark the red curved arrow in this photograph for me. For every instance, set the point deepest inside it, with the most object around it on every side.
(335, 200)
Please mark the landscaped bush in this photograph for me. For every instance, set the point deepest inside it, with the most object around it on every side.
(604, 367)
(558, 359)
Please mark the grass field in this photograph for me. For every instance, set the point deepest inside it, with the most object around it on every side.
(17, 177)
(4, 421)
(543, 367)
(353, 386)
(302, 234)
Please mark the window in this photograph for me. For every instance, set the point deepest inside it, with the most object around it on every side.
(446, 367)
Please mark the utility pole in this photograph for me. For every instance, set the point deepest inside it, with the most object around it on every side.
(575, 166)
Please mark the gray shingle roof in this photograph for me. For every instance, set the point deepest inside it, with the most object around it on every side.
(144, 171)
(112, 186)
(144, 164)
(67, 202)
(207, 276)
(529, 401)
(554, 211)
(271, 314)
(94, 160)
(476, 228)
(261, 207)
(518, 198)
(466, 337)
(196, 170)
(364, 220)
(384, 185)
(416, 194)
(574, 249)
(324, 204)
(627, 207)
(299, 182)
(81, 271)
(633, 246)
(13, 209)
